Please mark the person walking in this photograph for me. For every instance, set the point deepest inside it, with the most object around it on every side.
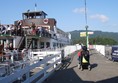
(79, 58)
(84, 58)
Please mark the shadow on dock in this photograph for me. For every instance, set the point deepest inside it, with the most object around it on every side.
(70, 76)
(69, 72)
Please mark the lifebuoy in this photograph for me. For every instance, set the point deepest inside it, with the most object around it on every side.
(45, 21)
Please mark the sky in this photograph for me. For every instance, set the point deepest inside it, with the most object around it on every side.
(70, 14)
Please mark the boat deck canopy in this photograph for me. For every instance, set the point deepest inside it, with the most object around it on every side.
(34, 14)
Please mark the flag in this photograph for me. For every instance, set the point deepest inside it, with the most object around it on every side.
(35, 5)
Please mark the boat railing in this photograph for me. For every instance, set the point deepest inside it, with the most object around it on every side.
(48, 49)
(31, 70)
(7, 68)
(27, 31)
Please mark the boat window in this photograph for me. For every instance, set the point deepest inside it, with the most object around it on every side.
(54, 45)
(47, 44)
(34, 46)
(42, 45)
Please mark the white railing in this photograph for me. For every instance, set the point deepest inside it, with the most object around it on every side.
(45, 61)
(100, 48)
(70, 49)
(45, 68)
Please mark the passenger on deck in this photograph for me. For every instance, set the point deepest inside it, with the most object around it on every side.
(19, 28)
(15, 53)
(8, 52)
(28, 32)
(11, 46)
(3, 29)
(24, 53)
(47, 31)
(13, 30)
(43, 31)
(33, 25)
(33, 29)
(8, 30)
(39, 31)
(6, 48)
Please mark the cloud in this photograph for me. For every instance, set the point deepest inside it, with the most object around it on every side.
(79, 10)
(100, 17)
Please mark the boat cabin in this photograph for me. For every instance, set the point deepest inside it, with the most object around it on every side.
(34, 14)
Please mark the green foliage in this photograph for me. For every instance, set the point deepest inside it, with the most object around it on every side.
(103, 41)
(81, 40)
(99, 38)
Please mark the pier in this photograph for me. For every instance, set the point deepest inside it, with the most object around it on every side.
(52, 68)
(103, 71)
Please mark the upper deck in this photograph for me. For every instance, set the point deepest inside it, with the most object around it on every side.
(34, 14)
(38, 18)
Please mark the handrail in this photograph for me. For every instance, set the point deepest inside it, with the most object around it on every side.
(20, 42)
(30, 43)
(32, 65)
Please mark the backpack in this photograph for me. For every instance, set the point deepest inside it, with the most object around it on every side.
(85, 56)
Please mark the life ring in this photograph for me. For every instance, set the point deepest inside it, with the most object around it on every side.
(45, 21)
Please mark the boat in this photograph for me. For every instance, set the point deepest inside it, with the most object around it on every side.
(31, 39)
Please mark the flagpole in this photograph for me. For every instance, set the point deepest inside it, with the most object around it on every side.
(35, 6)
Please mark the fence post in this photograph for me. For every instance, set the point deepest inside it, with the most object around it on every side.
(54, 61)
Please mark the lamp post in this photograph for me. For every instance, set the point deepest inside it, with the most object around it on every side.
(87, 40)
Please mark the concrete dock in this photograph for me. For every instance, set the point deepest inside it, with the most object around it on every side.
(103, 71)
